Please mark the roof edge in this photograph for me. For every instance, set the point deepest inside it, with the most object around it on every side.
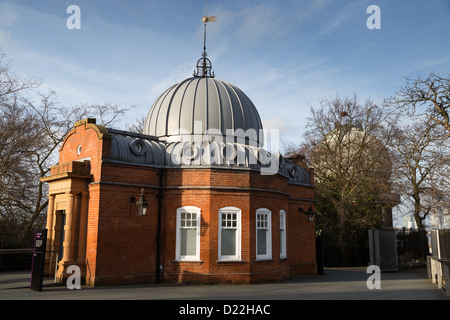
(91, 123)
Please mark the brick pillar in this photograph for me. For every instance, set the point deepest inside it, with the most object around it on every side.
(81, 257)
(69, 230)
(69, 239)
(50, 257)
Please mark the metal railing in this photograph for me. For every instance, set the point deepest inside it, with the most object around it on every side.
(15, 259)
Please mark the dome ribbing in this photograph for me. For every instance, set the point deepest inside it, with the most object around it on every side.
(198, 104)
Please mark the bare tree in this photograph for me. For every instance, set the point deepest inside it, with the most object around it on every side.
(422, 164)
(32, 127)
(137, 126)
(18, 136)
(430, 96)
(345, 147)
(12, 86)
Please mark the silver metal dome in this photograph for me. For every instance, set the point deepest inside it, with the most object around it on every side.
(199, 105)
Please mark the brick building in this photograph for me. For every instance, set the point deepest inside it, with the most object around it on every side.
(194, 198)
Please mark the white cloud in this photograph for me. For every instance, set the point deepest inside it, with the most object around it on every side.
(4, 38)
(262, 24)
(8, 15)
(333, 24)
(433, 62)
(317, 5)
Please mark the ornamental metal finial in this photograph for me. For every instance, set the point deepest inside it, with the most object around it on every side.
(204, 66)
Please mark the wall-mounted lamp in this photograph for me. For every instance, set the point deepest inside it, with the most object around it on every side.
(142, 204)
(310, 213)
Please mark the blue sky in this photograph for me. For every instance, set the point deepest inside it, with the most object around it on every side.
(285, 55)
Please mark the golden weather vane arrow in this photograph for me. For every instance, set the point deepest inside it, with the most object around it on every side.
(207, 18)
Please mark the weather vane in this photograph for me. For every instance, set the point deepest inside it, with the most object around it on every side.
(204, 65)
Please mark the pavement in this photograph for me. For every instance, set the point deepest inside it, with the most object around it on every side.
(335, 284)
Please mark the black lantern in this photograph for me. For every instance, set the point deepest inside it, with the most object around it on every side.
(310, 213)
(142, 204)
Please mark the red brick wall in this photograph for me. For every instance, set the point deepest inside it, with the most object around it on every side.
(301, 243)
(93, 142)
(121, 246)
(125, 242)
(92, 233)
(245, 195)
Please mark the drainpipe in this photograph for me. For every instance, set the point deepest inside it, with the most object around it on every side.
(158, 233)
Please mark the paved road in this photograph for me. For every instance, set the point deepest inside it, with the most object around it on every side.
(339, 283)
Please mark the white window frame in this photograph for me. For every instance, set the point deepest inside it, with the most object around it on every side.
(237, 256)
(178, 256)
(283, 249)
(268, 228)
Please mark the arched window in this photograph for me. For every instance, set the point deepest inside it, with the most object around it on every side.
(283, 249)
(229, 234)
(188, 234)
(263, 234)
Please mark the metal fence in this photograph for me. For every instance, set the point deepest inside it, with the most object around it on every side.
(15, 259)
(412, 245)
(350, 256)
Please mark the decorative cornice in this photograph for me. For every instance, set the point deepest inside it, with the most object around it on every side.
(102, 132)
